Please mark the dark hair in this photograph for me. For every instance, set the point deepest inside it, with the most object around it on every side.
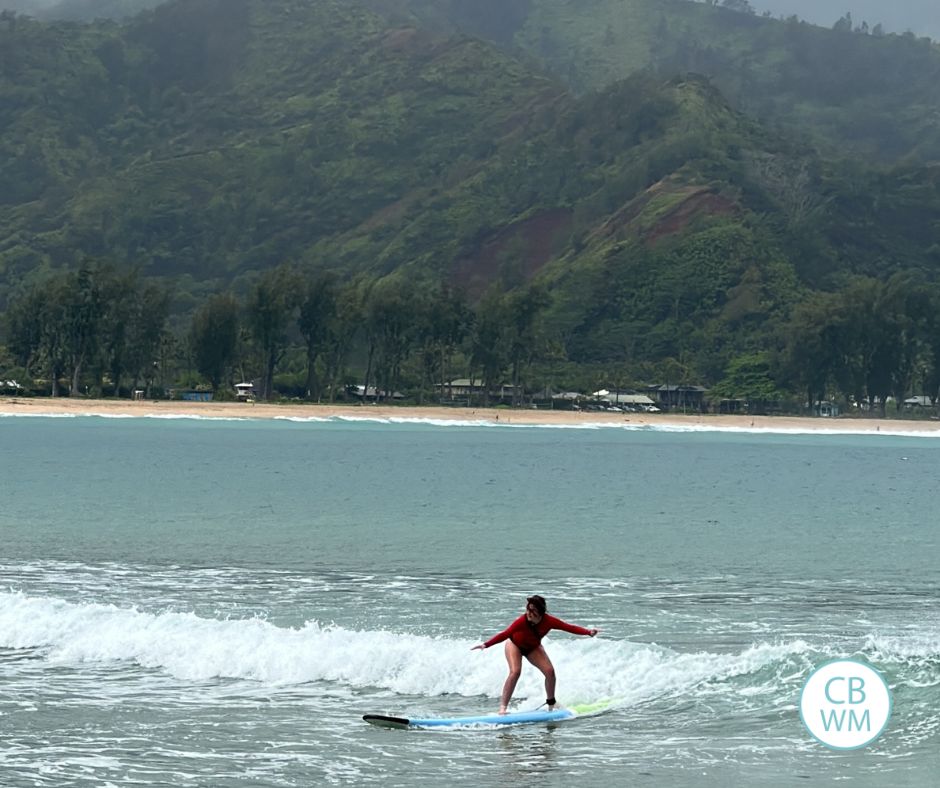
(538, 602)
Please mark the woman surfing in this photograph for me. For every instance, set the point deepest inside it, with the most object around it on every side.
(524, 639)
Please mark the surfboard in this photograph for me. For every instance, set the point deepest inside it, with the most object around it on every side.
(488, 720)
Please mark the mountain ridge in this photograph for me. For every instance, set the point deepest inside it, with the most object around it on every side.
(661, 220)
(784, 71)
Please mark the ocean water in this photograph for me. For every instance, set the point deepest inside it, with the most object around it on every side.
(217, 602)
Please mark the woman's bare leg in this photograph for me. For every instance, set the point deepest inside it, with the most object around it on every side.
(514, 658)
(540, 659)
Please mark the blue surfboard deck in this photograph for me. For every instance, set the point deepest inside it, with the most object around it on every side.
(486, 720)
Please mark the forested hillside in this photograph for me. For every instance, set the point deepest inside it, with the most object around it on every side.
(216, 137)
(850, 90)
(319, 190)
(78, 9)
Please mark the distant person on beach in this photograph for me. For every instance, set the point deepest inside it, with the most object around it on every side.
(524, 639)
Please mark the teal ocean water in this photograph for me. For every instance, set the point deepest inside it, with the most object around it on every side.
(217, 602)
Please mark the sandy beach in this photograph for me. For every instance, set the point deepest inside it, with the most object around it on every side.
(20, 406)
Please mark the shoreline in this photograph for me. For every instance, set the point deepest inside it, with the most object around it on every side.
(24, 406)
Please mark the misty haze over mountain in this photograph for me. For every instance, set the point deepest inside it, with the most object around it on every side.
(27, 6)
(921, 17)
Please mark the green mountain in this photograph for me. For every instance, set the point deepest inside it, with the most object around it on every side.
(208, 141)
(850, 91)
(78, 9)
(212, 137)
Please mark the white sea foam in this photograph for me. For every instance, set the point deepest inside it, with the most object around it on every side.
(195, 648)
(845, 428)
(303, 419)
(120, 416)
(4, 415)
(175, 417)
(915, 648)
(627, 426)
(429, 422)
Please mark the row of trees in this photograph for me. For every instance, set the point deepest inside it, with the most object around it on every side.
(380, 325)
(88, 324)
(105, 330)
(869, 341)
(843, 24)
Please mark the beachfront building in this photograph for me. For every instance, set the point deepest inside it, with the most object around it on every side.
(196, 395)
(566, 400)
(826, 409)
(624, 400)
(374, 394)
(691, 398)
(245, 392)
(466, 391)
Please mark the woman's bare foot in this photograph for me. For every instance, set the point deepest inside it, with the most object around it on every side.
(502, 710)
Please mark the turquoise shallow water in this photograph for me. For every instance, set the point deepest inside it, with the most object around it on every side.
(217, 602)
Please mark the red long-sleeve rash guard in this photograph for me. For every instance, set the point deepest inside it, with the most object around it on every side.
(528, 637)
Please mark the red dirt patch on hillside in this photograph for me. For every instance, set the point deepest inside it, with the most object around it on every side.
(695, 201)
(522, 248)
(398, 39)
(698, 204)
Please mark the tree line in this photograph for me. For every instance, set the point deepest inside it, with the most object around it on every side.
(105, 331)
(86, 325)
(869, 341)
